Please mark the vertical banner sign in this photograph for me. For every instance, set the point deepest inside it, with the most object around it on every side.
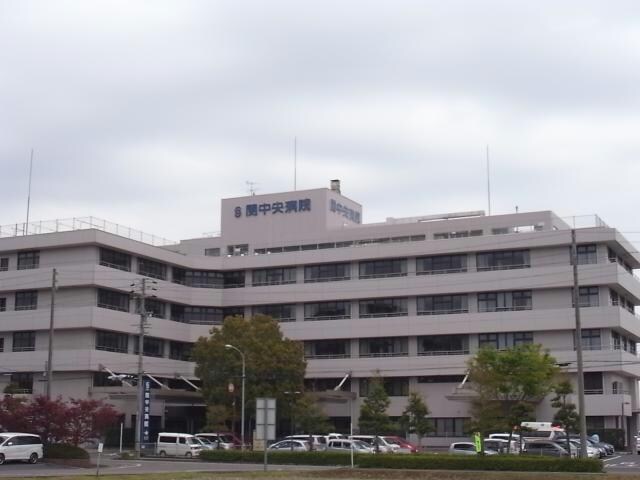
(477, 440)
(145, 413)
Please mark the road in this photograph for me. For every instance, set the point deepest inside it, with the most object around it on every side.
(623, 463)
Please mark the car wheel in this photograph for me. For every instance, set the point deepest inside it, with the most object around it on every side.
(33, 458)
(162, 453)
(1, 458)
(188, 454)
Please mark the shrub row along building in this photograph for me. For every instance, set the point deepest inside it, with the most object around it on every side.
(410, 298)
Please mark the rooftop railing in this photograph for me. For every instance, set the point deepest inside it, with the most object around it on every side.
(81, 223)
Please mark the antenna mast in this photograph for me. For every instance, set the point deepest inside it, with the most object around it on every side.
(25, 230)
(488, 182)
(295, 162)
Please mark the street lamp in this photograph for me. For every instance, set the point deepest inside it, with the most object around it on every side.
(227, 346)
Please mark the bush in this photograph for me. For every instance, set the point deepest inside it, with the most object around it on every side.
(280, 458)
(65, 451)
(497, 462)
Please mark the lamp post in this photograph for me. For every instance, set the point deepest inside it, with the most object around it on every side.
(227, 346)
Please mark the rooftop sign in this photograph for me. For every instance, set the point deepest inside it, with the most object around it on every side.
(275, 208)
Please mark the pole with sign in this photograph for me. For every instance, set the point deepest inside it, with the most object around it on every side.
(146, 413)
(477, 440)
(100, 448)
(265, 423)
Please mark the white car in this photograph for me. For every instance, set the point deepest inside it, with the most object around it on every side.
(317, 442)
(178, 445)
(290, 445)
(20, 446)
(377, 443)
(345, 445)
(467, 448)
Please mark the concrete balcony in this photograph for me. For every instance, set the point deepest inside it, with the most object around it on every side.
(606, 404)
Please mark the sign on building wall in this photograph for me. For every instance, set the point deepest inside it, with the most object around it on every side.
(275, 208)
(344, 211)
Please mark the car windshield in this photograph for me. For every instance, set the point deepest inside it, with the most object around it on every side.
(205, 440)
(359, 444)
(193, 441)
(226, 438)
(3, 439)
(392, 441)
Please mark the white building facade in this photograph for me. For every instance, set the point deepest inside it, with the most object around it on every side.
(411, 299)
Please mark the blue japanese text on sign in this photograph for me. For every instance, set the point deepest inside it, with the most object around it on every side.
(288, 206)
(145, 411)
(345, 211)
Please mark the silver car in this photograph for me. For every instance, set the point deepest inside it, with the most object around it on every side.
(344, 445)
(290, 445)
(467, 448)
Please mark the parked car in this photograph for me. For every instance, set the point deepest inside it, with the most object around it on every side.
(206, 443)
(467, 448)
(404, 446)
(317, 442)
(225, 441)
(178, 445)
(592, 452)
(291, 445)
(20, 446)
(545, 448)
(501, 446)
(346, 445)
(379, 444)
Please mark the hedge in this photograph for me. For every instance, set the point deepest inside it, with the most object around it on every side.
(519, 463)
(65, 451)
(418, 461)
(281, 458)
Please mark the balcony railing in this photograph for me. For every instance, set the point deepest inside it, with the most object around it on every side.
(385, 314)
(443, 352)
(326, 317)
(446, 311)
(384, 354)
(124, 268)
(326, 279)
(326, 356)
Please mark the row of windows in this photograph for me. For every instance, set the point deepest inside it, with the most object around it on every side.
(152, 347)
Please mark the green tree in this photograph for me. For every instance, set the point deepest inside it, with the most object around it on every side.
(508, 384)
(308, 416)
(274, 364)
(414, 417)
(373, 413)
(567, 414)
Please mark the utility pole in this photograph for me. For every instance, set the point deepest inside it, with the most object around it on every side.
(54, 281)
(140, 396)
(578, 342)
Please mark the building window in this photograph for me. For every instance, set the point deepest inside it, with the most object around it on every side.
(442, 304)
(4, 264)
(237, 250)
(324, 384)
(274, 276)
(587, 254)
(180, 351)
(112, 341)
(103, 379)
(327, 310)
(383, 307)
(504, 301)
(591, 338)
(503, 260)
(28, 260)
(212, 252)
(198, 278)
(448, 427)
(441, 264)
(394, 386)
(197, 315)
(233, 279)
(24, 341)
(384, 347)
(319, 349)
(1, 344)
(501, 341)
(151, 268)
(113, 300)
(281, 313)
(27, 300)
(327, 272)
(384, 268)
(593, 384)
(115, 259)
(443, 345)
(3, 304)
(588, 296)
(152, 347)
(441, 379)
(155, 308)
(21, 382)
(232, 312)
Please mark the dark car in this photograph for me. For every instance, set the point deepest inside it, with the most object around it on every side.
(545, 448)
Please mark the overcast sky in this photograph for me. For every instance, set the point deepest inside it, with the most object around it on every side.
(147, 113)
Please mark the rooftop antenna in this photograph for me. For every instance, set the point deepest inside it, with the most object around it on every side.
(25, 230)
(488, 182)
(295, 162)
(251, 186)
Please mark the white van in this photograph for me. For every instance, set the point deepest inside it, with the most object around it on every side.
(540, 431)
(20, 446)
(178, 445)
